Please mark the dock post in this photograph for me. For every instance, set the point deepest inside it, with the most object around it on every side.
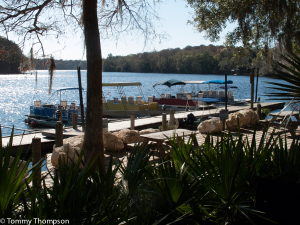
(259, 110)
(74, 120)
(132, 122)
(252, 87)
(58, 134)
(104, 126)
(36, 157)
(164, 122)
(172, 118)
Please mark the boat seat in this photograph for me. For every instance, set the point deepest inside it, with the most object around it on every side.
(230, 96)
(188, 96)
(138, 100)
(210, 95)
(130, 100)
(64, 103)
(37, 103)
(150, 100)
(200, 95)
(215, 94)
(72, 106)
(205, 94)
(124, 99)
(221, 94)
(179, 96)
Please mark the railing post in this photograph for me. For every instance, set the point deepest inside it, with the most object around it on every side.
(259, 110)
(104, 126)
(164, 122)
(132, 122)
(172, 118)
(74, 120)
(36, 157)
(58, 134)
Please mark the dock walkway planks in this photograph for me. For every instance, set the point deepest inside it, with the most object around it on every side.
(48, 142)
(24, 142)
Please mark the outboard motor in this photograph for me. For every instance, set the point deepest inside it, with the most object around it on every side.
(58, 114)
(190, 119)
(34, 123)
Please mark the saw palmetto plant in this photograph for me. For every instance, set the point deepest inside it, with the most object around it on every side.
(289, 71)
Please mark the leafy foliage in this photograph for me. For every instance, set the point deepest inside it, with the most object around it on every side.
(14, 175)
(190, 60)
(258, 22)
(216, 183)
(289, 71)
(10, 57)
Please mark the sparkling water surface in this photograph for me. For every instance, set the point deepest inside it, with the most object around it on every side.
(17, 92)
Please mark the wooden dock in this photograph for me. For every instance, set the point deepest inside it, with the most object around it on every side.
(47, 135)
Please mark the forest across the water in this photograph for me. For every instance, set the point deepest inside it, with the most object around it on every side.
(189, 60)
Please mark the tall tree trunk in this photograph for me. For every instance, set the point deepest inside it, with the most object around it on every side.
(93, 140)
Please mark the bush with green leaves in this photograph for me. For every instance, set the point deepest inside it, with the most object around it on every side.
(215, 183)
(14, 179)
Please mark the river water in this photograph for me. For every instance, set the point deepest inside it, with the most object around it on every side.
(17, 92)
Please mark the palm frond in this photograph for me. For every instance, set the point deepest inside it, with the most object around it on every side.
(288, 72)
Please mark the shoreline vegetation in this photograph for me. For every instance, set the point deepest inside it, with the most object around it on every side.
(189, 60)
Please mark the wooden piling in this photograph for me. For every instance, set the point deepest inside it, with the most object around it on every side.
(172, 119)
(36, 157)
(252, 87)
(132, 118)
(74, 120)
(259, 110)
(59, 113)
(58, 134)
(164, 121)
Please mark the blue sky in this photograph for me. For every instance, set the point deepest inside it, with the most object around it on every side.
(174, 17)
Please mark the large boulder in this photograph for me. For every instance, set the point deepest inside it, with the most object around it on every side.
(76, 141)
(128, 136)
(112, 143)
(66, 154)
(214, 125)
(245, 117)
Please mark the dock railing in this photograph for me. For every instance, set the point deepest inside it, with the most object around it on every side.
(25, 131)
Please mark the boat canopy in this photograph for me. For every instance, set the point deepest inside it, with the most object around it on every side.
(119, 84)
(193, 81)
(170, 83)
(217, 82)
(65, 88)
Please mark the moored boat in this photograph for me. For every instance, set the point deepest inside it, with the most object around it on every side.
(124, 103)
(47, 115)
(182, 99)
(194, 99)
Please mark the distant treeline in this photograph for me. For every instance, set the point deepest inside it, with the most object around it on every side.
(190, 60)
(42, 64)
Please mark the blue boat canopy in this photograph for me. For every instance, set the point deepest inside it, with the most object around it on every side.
(217, 82)
(170, 83)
